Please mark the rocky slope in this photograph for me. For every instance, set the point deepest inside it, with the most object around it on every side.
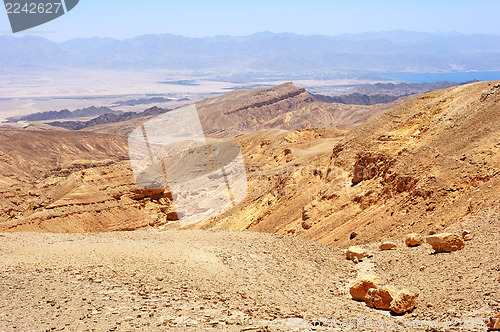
(358, 99)
(403, 89)
(72, 182)
(285, 106)
(65, 114)
(238, 281)
(417, 168)
(107, 118)
(381, 93)
(426, 166)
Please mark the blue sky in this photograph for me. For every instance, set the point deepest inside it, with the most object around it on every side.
(127, 19)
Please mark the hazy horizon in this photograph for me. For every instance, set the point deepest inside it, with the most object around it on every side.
(119, 20)
(359, 34)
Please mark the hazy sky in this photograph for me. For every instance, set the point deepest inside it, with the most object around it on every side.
(125, 19)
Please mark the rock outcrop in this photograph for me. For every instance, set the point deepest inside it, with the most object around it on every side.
(369, 166)
(355, 253)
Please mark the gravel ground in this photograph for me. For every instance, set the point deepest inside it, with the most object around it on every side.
(231, 281)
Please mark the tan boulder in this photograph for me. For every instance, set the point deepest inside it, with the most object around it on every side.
(381, 297)
(414, 239)
(493, 323)
(355, 252)
(387, 246)
(362, 284)
(445, 242)
(404, 301)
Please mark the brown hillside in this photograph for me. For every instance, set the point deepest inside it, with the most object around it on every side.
(420, 167)
(285, 106)
(61, 181)
(123, 128)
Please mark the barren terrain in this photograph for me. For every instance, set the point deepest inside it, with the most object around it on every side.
(428, 165)
(235, 281)
(416, 168)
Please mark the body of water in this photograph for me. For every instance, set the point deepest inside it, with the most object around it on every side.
(448, 76)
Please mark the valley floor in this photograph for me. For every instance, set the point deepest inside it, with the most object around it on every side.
(233, 281)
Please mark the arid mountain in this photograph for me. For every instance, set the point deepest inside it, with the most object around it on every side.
(357, 99)
(237, 281)
(122, 128)
(417, 168)
(107, 118)
(58, 181)
(285, 106)
(142, 101)
(79, 181)
(428, 165)
(65, 114)
(402, 89)
(32, 155)
(381, 93)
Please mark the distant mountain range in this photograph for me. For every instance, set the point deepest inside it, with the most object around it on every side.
(403, 89)
(108, 118)
(381, 93)
(284, 53)
(357, 99)
(65, 114)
